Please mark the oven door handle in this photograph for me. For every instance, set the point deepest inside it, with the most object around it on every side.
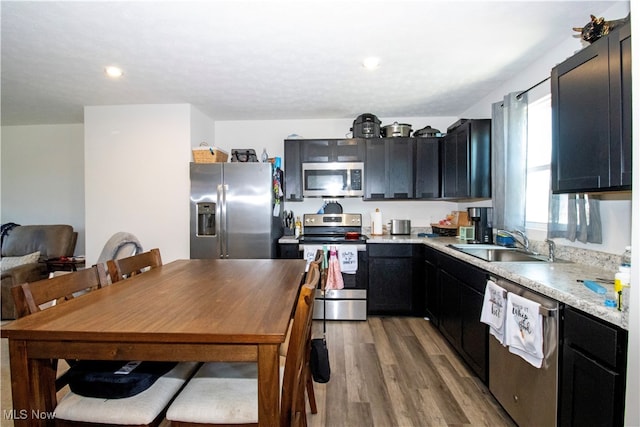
(359, 248)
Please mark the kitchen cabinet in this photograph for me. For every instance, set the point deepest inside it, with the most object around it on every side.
(395, 279)
(298, 151)
(461, 297)
(389, 168)
(466, 160)
(292, 170)
(591, 117)
(592, 387)
(431, 285)
(332, 150)
(289, 251)
(427, 168)
(450, 316)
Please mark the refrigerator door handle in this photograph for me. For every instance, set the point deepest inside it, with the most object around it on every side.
(220, 229)
(225, 223)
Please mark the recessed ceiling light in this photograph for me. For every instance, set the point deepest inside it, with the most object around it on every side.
(113, 72)
(371, 63)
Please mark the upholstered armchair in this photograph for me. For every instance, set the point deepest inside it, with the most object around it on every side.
(24, 249)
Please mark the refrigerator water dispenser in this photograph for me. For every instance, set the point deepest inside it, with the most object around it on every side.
(206, 219)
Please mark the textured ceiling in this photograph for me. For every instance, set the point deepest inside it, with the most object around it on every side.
(251, 60)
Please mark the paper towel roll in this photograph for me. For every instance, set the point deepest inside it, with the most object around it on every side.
(376, 222)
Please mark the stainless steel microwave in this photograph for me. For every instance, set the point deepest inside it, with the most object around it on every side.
(333, 179)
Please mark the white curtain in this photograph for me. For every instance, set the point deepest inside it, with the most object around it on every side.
(571, 216)
(575, 217)
(509, 180)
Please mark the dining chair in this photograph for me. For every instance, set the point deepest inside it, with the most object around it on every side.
(120, 245)
(227, 393)
(315, 269)
(130, 266)
(33, 297)
(312, 276)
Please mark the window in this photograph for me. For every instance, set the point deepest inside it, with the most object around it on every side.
(538, 163)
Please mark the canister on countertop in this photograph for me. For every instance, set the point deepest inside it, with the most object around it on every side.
(400, 226)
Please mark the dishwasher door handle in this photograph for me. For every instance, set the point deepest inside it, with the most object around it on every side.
(544, 311)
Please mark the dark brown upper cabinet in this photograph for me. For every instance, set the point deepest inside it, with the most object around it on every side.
(591, 117)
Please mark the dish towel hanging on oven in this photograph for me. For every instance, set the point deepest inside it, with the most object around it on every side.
(334, 276)
(348, 256)
(310, 252)
(523, 329)
(493, 310)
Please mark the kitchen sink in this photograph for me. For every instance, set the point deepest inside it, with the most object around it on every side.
(495, 253)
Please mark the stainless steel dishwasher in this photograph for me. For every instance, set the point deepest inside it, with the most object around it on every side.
(528, 394)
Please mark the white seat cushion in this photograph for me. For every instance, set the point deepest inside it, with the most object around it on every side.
(220, 393)
(142, 408)
(9, 262)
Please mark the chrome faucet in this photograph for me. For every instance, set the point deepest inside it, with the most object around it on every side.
(552, 249)
(525, 239)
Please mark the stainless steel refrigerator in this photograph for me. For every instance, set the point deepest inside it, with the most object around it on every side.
(232, 211)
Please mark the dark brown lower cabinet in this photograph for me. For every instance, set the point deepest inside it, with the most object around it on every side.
(396, 286)
(461, 296)
(592, 387)
(431, 285)
(289, 250)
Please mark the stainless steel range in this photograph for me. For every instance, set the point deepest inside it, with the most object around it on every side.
(344, 231)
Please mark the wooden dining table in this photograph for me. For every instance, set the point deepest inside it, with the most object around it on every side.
(186, 310)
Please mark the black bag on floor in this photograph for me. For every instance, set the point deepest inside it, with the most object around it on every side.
(319, 357)
(319, 360)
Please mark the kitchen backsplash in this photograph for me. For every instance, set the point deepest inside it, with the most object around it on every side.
(606, 261)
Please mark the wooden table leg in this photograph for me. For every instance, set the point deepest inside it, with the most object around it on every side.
(32, 387)
(268, 385)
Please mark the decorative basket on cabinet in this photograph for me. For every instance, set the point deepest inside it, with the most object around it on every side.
(206, 154)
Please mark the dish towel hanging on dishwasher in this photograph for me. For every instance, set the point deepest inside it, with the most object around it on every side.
(348, 256)
(494, 307)
(523, 329)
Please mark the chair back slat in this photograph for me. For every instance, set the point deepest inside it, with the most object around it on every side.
(124, 268)
(313, 275)
(29, 297)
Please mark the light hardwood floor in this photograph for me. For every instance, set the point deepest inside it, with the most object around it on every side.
(386, 371)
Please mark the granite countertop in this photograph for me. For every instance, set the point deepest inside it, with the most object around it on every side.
(288, 240)
(555, 280)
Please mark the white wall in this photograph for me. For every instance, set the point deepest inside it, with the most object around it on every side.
(202, 128)
(137, 176)
(43, 177)
(540, 67)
